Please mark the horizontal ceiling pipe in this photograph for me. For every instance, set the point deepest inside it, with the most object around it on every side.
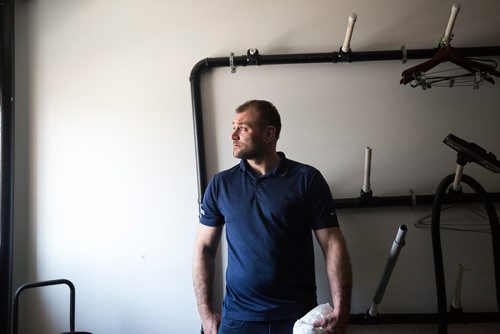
(301, 58)
(333, 57)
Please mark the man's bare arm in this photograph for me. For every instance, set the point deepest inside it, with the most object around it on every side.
(338, 268)
(205, 250)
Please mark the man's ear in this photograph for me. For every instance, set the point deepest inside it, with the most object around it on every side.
(270, 133)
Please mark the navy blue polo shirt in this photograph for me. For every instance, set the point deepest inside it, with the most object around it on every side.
(268, 220)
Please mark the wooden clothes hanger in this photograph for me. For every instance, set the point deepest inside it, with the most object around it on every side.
(445, 53)
(448, 53)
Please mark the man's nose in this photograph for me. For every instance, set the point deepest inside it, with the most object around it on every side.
(234, 134)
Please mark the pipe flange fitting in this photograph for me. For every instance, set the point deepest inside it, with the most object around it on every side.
(253, 57)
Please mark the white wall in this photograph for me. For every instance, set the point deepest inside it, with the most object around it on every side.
(105, 163)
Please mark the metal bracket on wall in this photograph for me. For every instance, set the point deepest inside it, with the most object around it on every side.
(405, 54)
(231, 62)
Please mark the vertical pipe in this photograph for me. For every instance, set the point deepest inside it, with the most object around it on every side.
(368, 164)
(346, 46)
(451, 22)
(457, 297)
(458, 177)
(7, 156)
(199, 135)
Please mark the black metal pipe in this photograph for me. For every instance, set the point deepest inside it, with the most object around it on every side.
(15, 313)
(436, 242)
(420, 318)
(360, 202)
(423, 318)
(7, 160)
(201, 164)
(331, 57)
(301, 58)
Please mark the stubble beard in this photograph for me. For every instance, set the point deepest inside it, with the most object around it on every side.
(249, 153)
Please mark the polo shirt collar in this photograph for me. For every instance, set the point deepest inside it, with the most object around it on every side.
(280, 170)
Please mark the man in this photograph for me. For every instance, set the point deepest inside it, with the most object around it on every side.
(269, 205)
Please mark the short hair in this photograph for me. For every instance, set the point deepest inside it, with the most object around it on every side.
(268, 113)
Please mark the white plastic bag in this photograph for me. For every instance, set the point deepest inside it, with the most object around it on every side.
(305, 324)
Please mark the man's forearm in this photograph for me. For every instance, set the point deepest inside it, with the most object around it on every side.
(338, 267)
(203, 278)
(205, 251)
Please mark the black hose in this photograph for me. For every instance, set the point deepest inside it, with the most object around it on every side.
(439, 199)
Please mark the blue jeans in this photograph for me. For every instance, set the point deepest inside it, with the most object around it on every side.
(257, 327)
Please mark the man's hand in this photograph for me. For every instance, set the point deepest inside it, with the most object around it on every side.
(207, 241)
(211, 323)
(339, 272)
(332, 323)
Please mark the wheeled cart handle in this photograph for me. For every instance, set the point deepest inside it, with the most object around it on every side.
(15, 311)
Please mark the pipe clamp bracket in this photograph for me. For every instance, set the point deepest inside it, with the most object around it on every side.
(231, 62)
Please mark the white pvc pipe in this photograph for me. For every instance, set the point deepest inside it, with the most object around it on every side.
(454, 11)
(346, 47)
(458, 177)
(396, 247)
(457, 298)
(373, 311)
(368, 164)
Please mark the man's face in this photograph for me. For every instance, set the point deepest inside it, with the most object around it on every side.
(247, 135)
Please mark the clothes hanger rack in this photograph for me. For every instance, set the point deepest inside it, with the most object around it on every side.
(447, 53)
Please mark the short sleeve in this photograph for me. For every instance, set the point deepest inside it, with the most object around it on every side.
(323, 213)
(210, 214)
